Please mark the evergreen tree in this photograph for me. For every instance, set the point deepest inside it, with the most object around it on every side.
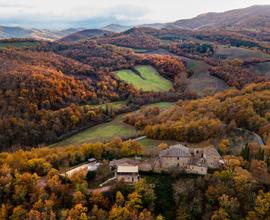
(245, 153)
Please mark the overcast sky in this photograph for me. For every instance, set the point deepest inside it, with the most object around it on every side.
(95, 13)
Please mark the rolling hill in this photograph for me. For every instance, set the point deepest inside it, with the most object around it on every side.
(252, 18)
(117, 28)
(39, 34)
(85, 34)
(133, 38)
(38, 86)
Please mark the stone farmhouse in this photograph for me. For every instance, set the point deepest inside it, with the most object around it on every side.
(189, 160)
(176, 158)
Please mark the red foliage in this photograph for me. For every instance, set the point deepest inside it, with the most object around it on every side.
(235, 76)
(134, 38)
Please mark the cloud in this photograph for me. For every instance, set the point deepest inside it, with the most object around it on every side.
(54, 14)
(83, 16)
(14, 5)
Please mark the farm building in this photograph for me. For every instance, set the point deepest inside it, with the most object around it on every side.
(144, 165)
(175, 156)
(127, 173)
(190, 160)
(124, 161)
(91, 165)
(213, 158)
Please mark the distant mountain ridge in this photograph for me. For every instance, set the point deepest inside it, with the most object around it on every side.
(117, 28)
(255, 19)
(252, 18)
(39, 34)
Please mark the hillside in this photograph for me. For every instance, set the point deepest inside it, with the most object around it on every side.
(251, 18)
(45, 95)
(49, 90)
(133, 38)
(39, 34)
(117, 28)
(85, 34)
(210, 117)
(41, 91)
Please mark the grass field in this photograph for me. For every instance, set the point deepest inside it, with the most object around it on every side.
(114, 105)
(238, 52)
(18, 44)
(150, 146)
(107, 131)
(261, 69)
(103, 132)
(162, 105)
(139, 50)
(150, 79)
(201, 82)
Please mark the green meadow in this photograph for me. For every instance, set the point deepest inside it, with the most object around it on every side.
(148, 79)
(106, 131)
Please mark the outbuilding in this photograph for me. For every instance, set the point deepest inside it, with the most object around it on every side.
(127, 173)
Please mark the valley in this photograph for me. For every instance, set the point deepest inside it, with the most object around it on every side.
(159, 121)
(114, 129)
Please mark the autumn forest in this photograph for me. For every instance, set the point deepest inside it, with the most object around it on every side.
(112, 95)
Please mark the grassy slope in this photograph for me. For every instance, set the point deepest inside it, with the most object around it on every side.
(114, 105)
(102, 132)
(204, 84)
(162, 105)
(107, 131)
(261, 69)
(150, 146)
(151, 75)
(151, 80)
(238, 52)
(201, 81)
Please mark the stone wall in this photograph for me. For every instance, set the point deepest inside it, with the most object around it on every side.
(132, 178)
(169, 162)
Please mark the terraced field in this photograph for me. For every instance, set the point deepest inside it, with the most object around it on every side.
(148, 79)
